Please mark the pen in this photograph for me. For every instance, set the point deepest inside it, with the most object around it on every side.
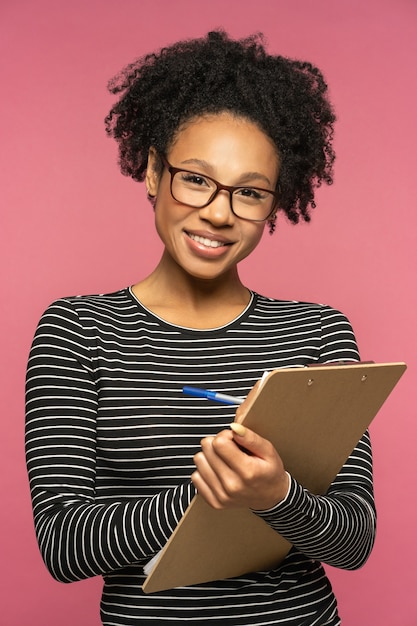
(212, 395)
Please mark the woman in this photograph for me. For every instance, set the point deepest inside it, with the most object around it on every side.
(225, 136)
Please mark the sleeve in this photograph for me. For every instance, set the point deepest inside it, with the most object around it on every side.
(339, 527)
(79, 537)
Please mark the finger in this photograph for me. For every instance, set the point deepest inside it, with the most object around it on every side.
(216, 456)
(220, 464)
(207, 479)
(205, 491)
(224, 453)
(228, 477)
(250, 441)
(262, 473)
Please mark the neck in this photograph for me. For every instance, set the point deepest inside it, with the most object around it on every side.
(191, 301)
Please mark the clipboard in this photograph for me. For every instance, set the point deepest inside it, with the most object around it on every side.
(314, 416)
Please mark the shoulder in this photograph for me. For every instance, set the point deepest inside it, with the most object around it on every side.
(84, 307)
(328, 326)
(273, 306)
(76, 318)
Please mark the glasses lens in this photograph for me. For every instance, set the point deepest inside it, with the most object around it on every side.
(252, 203)
(192, 189)
(195, 190)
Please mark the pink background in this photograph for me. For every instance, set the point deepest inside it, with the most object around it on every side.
(70, 223)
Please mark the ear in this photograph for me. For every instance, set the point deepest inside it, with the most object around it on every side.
(152, 172)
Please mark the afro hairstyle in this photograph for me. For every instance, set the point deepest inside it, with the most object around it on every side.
(286, 98)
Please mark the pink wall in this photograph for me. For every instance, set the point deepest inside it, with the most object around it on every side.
(70, 223)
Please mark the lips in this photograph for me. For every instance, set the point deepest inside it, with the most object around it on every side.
(207, 241)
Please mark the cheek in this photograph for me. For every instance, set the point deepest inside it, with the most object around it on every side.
(254, 236)
(163, 221)
(160, 218)
(168, 216)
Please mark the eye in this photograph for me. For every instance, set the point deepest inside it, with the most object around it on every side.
(251, 193)
(194, 180)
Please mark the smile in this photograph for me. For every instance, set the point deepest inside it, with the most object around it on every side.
(210, 243)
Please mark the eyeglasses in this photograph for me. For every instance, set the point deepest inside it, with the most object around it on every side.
(197, 191)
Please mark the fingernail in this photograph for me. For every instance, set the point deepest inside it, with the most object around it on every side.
(238, 429)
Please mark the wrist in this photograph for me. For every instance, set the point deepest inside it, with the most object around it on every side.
(284, 491)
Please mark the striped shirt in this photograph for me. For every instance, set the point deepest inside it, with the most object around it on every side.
(110, 440)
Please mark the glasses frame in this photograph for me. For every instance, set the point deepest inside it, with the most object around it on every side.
(219, 187)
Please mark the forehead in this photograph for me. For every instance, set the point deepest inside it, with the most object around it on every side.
(225, 142)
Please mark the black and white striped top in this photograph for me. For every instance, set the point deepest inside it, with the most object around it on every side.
(110, 440)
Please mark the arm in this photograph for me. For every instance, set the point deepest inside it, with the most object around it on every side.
(78, 536)
(338, 528)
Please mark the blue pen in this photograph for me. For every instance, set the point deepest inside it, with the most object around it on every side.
(212, 395)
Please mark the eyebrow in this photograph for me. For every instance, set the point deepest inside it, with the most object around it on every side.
(244, 177)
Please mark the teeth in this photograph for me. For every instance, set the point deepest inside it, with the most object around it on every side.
(207, 242)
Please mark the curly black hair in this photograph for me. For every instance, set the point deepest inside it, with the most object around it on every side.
(286, 98)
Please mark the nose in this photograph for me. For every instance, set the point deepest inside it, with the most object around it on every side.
(219, 211)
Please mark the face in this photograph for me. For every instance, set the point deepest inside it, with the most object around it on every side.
(209, 242)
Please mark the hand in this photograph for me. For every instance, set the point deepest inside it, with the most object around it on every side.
(239, 469)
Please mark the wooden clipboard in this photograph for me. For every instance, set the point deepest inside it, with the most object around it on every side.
(314, 416)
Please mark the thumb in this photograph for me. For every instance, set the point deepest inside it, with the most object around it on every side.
(249, 440)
